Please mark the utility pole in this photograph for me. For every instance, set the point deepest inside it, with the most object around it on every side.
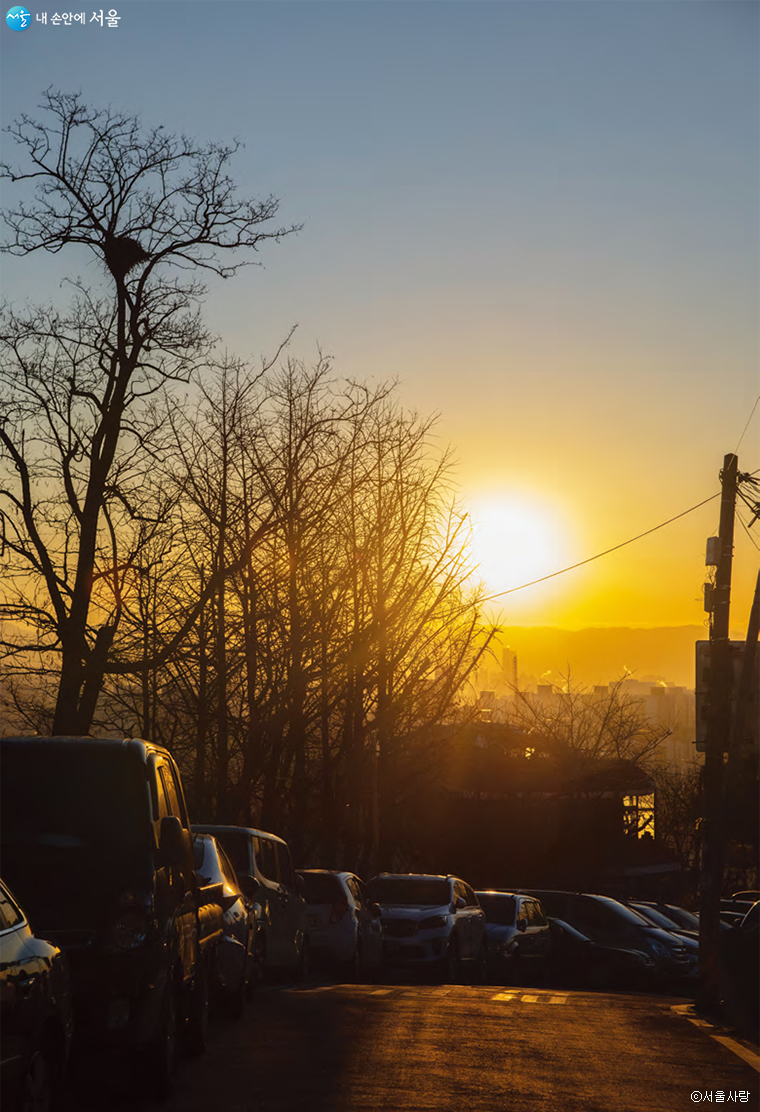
(717, 742)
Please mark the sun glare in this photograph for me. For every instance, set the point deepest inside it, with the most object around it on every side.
(514, 542)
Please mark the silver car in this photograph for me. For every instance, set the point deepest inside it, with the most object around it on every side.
(280, 905)
(432, 922)
(518, 934)
(344, 926)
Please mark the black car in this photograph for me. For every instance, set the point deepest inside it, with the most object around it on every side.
(35, 1013)
(577, 960)
(96, 843)
(609, 923)
(240, 949)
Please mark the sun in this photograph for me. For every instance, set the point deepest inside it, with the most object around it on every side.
(515, 540)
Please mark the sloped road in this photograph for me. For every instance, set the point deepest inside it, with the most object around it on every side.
(423, 1048)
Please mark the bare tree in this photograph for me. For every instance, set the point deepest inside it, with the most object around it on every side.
(79, 425)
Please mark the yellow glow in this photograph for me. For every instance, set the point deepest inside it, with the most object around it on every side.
(516, 539)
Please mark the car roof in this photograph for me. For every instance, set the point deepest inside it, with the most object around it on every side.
(417, 876)
(131, 744)
(211, 828)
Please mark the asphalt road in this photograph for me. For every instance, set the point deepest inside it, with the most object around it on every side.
(370, 1048)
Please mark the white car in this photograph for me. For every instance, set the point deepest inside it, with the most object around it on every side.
(344, 927)
(431, 921)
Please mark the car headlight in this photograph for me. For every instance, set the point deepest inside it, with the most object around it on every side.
(433, 923)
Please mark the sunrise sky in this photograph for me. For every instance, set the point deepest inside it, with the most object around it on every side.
(541, 218)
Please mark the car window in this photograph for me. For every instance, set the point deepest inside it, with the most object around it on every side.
(236, 844)
(10, 915)
(469, 895)
(499, 909)
(287, 876)
(162, 799)
(460, 890)
(227, 870)
(266, 859)
(321, 888)
(594, 915)
(355, 889)
(172, 795)
(409, 891)
(538, 914)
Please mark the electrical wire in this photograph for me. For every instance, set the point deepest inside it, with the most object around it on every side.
(754, 407)
(747, 531)
(599, 555)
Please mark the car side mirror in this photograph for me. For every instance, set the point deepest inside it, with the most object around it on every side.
(172, 841)
(459, 903)
(249, 885)
(522, 924)
(375, 910)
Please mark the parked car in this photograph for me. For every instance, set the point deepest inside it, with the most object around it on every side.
(96, 843)
(517, 933)
(431, 921)
(733, 910)
(36, 1021)
(344, 926)
(685, 920)
(577, 960)
(659, 918)
(280, 906)
(610, 923)
(235, 969)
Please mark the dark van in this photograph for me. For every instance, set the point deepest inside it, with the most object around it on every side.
(95, 840)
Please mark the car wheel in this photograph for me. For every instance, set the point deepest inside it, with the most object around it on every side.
(38, 1084)
(161, 1056)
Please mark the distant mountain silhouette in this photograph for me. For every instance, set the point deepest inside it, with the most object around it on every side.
(598, 655)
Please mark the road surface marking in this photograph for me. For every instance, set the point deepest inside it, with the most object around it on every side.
(380, 992)
(698, 1022)
(749, 1057)
(442, 990)
(504, 996)
(558, 1000)
(530, 999)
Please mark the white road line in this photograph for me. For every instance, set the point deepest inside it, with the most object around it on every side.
(698, 1022)
(380, 991)
(442, 990)
(504, 996)
(529, 999)
(748, 1056)
(558, 1000)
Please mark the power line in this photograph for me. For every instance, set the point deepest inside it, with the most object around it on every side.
(754, 407)
(599, 555)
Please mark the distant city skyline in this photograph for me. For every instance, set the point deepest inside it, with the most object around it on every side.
(542, 219)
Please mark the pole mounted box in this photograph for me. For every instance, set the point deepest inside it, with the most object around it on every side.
(703, 689)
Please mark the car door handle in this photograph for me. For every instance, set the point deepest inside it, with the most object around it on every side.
(26, 984)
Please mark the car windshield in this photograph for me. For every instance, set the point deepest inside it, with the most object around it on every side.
(499, 909)
(322, 888)
(685, 919)
(656, 917)
(411, 891)
(76, 829)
